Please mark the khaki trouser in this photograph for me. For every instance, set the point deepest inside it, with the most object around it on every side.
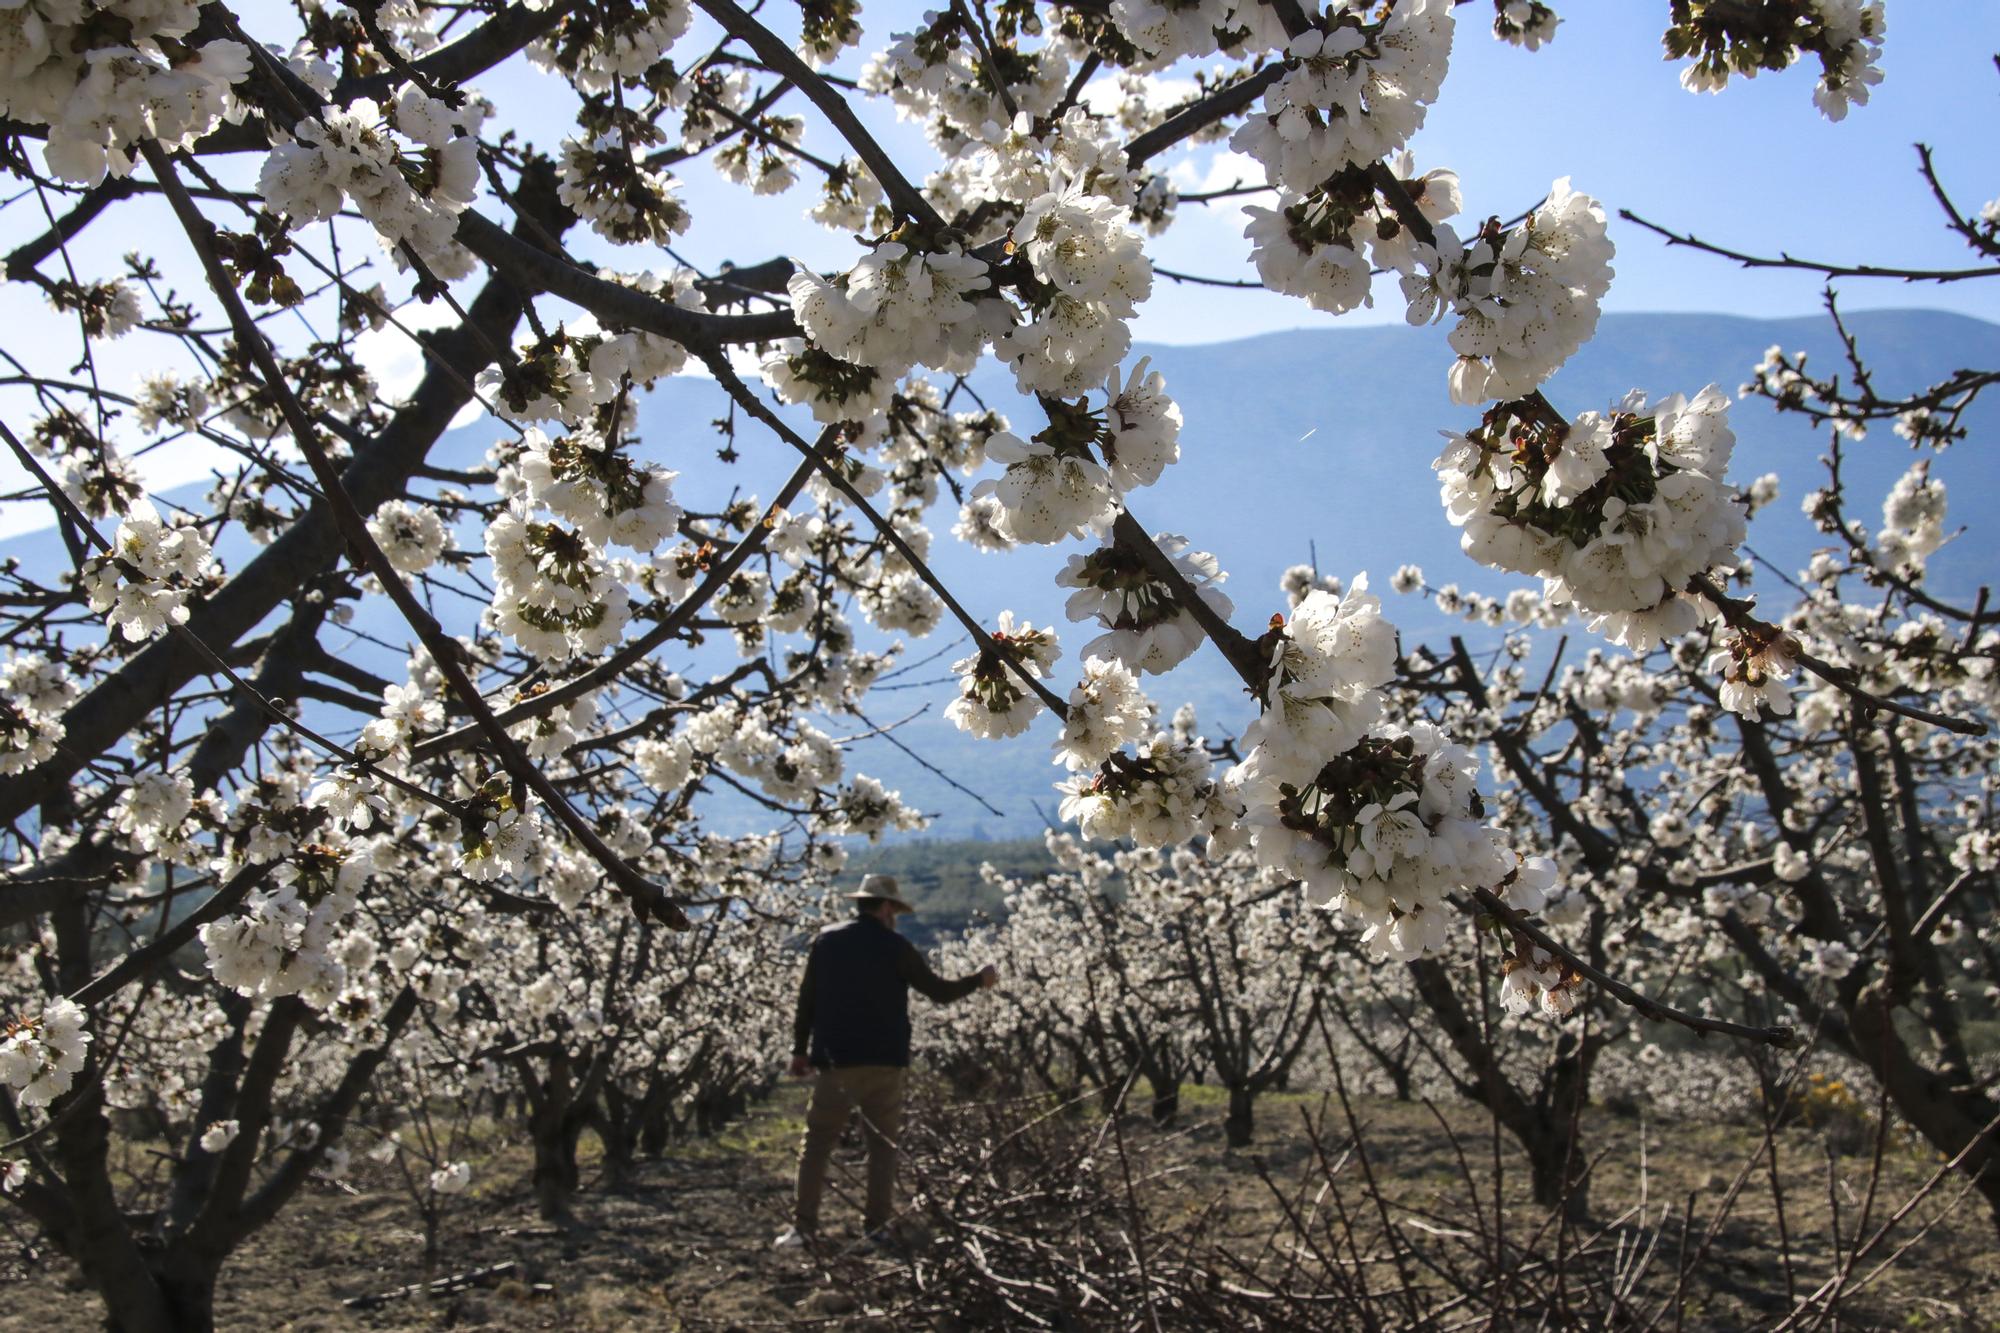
(877, 1090)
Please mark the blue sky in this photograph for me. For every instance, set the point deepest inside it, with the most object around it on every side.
(1755, 167)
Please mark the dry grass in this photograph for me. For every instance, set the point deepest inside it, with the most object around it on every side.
(687, 1245)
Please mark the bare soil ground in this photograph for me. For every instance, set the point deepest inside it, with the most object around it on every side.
(687, 1244)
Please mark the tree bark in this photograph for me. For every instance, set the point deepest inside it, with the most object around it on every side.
(615, 1117)
(188, 1290)
(1240, 1123)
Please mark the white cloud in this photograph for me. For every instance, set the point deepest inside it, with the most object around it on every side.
(1225, 170)
(393, 357)
(1106, 95)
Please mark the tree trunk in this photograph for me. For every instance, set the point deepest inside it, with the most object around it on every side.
(616, 1121)
(132, 1306)
(180, 1298)
(1544, 1127)
(1952, 1119)
(1238, 1125)
(655, 1132)
(1558, 1173)
(555, 1175)
(189, 1291)
(1166, 1099)
(716, 1111)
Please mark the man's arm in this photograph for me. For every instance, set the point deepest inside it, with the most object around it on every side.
(917, 972)
(802, 1016)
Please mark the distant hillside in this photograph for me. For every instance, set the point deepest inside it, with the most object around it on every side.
(1312, 441)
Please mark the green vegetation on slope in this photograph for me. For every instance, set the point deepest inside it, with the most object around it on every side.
(941, 877)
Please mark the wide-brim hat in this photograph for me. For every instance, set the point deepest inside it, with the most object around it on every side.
(884, 888)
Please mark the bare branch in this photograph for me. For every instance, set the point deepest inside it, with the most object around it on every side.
(1647, 1008)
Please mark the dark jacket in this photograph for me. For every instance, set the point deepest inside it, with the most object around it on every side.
(854, 1000)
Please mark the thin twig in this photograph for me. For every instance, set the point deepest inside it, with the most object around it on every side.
(1646, 1006)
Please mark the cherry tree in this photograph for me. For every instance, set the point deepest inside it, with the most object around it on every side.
(377, 732)
(1141, 963)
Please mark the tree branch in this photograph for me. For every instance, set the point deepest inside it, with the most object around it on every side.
(1618, 990)
(646, 897)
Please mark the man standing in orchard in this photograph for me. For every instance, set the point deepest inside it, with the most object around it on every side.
(853, 1026)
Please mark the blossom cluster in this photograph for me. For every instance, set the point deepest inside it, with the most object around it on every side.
(1005, 164)
(558, 593)
(106, 76)
(1845, 35)
(1524, 298)
(103, 309)
(1913, 514)
(144, 583)
(500, 838)
(167, 401)
(1617, 511)
(786, 756)
(574, 372)
(935, 78)
(1355, 89)
(866, 808)
(1089, 273)
(592, 484)
(993, 701)
(597, 50)
(150, 816)
(407, 710)
(1322, 691)
(555, 592)
(1145, 625)
(1537, 981)
(410, 169)
(836, 390)
(1529, 24)
(851, 201)
(1106, 711)
(412, 536)
(902, 305)
(40, 1056)
(1325, 243)
(1384, 830)
(1054, 486)
(1379, 820)
(288, 941)
(33, 694)
(759, 159)
(607, 183)
(1159, 795)
(1060, 200)
(1753, 667)
(1164, 32)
